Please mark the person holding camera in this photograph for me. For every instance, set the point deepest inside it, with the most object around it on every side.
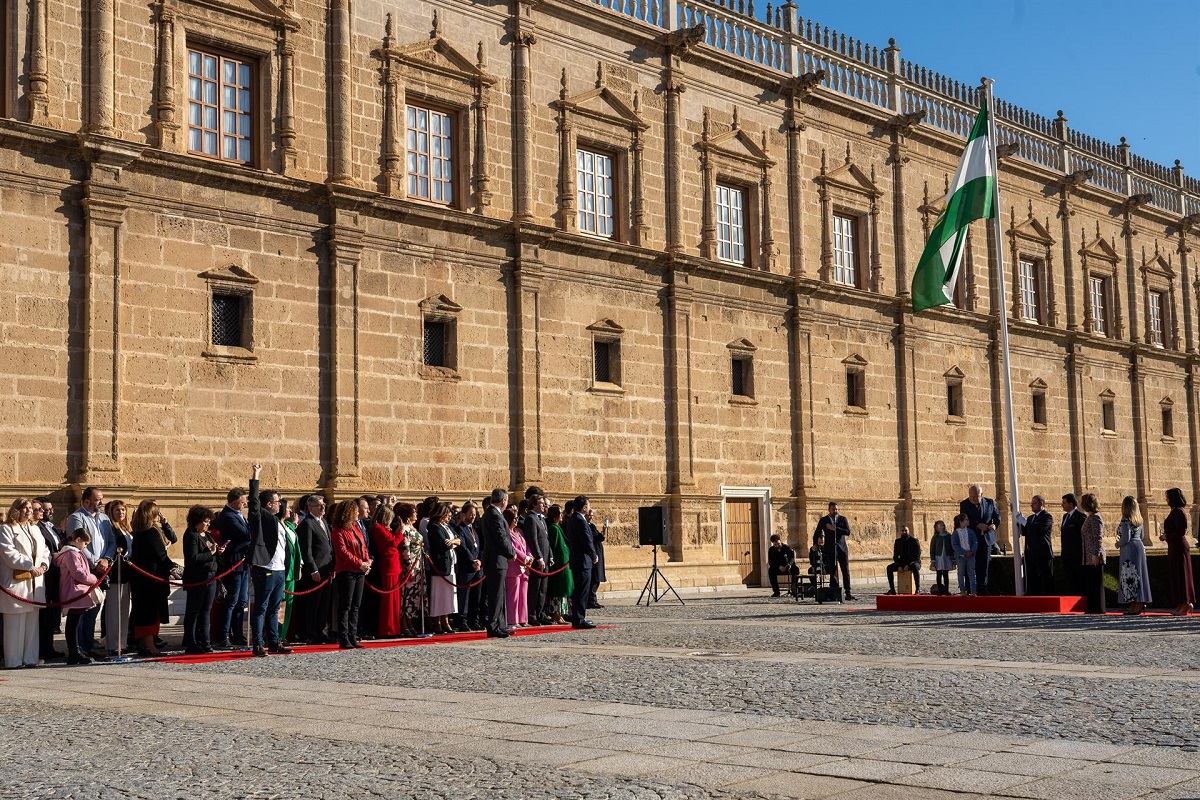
(200, 555)
(781, 560)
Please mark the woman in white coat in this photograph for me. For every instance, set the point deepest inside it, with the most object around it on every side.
(24, 559)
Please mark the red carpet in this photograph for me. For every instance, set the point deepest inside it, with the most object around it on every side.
(454, 638)
(992, 604)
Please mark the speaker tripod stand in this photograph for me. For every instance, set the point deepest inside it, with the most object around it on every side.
(651, 590)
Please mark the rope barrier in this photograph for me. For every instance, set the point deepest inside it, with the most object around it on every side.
(438, 572)
(313, 589)
(399, 585)
(182, 585)
(59, 604)
(547, 574)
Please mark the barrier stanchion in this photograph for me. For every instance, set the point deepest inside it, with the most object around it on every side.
(120, 657)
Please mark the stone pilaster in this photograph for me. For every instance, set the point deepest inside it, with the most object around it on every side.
(680, 459)
(527, 417)
(1141, 433)
(345, 236)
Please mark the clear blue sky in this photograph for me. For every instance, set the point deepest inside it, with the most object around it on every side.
(1116, 69)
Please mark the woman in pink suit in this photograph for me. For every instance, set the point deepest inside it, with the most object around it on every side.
(517, 600)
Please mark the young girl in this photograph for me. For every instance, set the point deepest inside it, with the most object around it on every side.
(75, 581)
(965, 545)
(941, 557)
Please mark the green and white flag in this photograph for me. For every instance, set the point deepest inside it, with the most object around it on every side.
(969, 199)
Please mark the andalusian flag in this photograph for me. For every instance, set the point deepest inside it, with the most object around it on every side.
(969, 199)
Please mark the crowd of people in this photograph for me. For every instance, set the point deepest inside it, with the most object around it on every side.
(263, 573)
(968, 547)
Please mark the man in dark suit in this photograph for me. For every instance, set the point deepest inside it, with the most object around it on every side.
(1071, 544)
(49, 619)
(468, 569)
(982, 517)
(1039, 549)
(781, 560)
(537, 537)
(269, 568)
(235, 535)
(837, 553)
(316, 551)
(583, 560)
(497, 550)
(906, 554)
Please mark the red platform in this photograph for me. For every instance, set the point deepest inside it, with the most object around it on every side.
(992, 604)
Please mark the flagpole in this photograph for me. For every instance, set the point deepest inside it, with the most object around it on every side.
(1014, 493)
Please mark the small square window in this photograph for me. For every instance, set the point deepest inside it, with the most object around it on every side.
(606, 361)
(1039, 408)
(229, 323)
(856, 388)
(1168, 422)
(954, 399)
(742, 374)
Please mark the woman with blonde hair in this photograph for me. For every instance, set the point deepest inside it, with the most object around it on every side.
(24, 559)
(1093, 554)
(117, 599)
(443, 595)
(1133, 578)
(150, 594)
(351, 563)
(388, 540)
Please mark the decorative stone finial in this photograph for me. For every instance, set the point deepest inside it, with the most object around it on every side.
(736, 121)
(437, 26)
(387, 32)
(847, 152)
(562, 85)
(480, 56)
(599, 74)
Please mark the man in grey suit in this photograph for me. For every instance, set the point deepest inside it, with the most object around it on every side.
(537, 537)
(316, 549)
(497, 550)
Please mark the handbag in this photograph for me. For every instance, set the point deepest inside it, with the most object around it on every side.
(22, 575)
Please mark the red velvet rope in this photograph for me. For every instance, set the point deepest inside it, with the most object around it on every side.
(313, 589)
(59, 604)
(437, 572)
(399, 585)
(547, 574)
(181, 585)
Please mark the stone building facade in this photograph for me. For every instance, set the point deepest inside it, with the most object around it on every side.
(655, 251)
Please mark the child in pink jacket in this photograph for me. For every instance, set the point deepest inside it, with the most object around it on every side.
(76, 587)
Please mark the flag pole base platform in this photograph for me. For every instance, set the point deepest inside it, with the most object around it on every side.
(990, 604)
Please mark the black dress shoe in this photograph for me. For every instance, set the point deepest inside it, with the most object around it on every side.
(774, 594)
(585, 625)
(345, 646)
(259, 651)
(224, 644)
(357, 645)
(280, 649)
(498, 634)
(159, 642)
(891, 591)
(51, 655)
(850, 596)
(78, 658)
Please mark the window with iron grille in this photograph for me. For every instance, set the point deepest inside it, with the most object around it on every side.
(430, 155)
(594, 176)
(606, 361)
(437, 339)
(228, 320)
(731, 224)
(1099, 301)
(220, 97)
(1030, 305)
(742, 367)
(1156, 319)
(845, 268)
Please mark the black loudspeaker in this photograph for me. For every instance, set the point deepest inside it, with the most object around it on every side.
(652, 526)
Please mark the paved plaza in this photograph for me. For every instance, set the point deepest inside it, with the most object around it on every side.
(732, 696)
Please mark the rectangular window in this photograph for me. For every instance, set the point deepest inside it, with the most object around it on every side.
(1030, 305)
(856, 395)
(1099, 301)
(1108, 413)
(228, 322)
(731, 224)
(220, 118)
(430, 155)
(954, 399)
(594, 176)
(743, 376)
(437, 336)
(1039, 408)
(1168, 422)
(845, 268)
(606, 361)
(1156, 319)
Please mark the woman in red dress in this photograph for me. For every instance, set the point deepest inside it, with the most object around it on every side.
(387, 561)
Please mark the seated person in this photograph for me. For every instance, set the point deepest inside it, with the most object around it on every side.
(781, 560)
(906, 554)
(816, 559)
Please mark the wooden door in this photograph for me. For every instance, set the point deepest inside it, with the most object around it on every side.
(742, 538)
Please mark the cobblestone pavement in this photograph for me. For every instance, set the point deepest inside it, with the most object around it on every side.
(725, 697)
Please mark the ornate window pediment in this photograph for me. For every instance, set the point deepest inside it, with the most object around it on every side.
(230, 274)
(603, 105)
(849, 225)
(1037, 384)
(954, 374)
(1032, 268)
(850, 177)
(606, 326)
(1100, 249)
(742, 346)
(740, 164)
(439, 304)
